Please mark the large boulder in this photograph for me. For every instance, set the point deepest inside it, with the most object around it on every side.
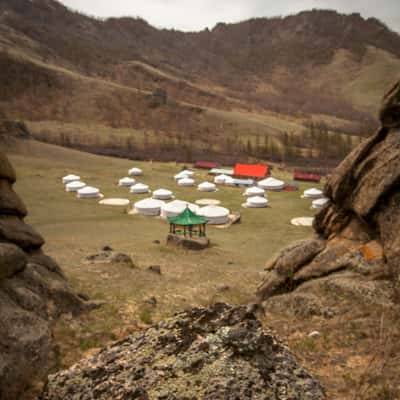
(217, 353)
(364, 208)
(33, 294)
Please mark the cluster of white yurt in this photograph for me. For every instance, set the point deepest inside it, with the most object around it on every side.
(215, 215)
(220, 179)
(89, 192)
(176, 207)
(186, 182)
(135, 172)
(320, 203)
(256, 202)
(74, 186)
(271, 184)
(313, 193)
(149, 207)
(207, 187)
(128, 182)
(162, 194)
(254, 191)
(139, 188)
(70, 178)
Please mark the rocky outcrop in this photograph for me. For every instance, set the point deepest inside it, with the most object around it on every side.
(33, 294)
(188, 243)
(358, 231)
(217, 353)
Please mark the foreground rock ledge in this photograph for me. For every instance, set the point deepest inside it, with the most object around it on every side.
(216, 353)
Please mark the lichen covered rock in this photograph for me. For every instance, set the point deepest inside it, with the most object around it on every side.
(217, 353)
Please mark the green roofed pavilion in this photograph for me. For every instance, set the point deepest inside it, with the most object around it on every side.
(190, 222)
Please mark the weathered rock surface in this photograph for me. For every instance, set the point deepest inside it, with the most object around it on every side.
(358, 231)
(216, 353)
(108, 255)
(33, 294)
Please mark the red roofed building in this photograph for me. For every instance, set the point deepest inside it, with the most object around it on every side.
(255, 171)
(301, 176)
(205, 164)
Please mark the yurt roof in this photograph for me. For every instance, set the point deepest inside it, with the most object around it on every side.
(126, 179)
(257, 200)
(207, 185)
(88, 190)
(75, 184)
(271, 182)
(135, 169)
(149, 203)
(162, 192)
(186, 180)
(321, 202)
(140, 186)
(255, 189)
(187, 217)
(179, 206)
(213, 211)
(313, 191)
(71, 177)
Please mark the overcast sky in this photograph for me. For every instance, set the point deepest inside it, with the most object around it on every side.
(190, 15)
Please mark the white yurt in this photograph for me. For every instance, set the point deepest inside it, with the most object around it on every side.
(126, 182)
(135, 172)
(162, 194)
(207, 187)
(215, 215)
(320, 203)
(70, 178)
(256, 202)
(254, 191)
(188, 173)
(313, 193)
(89, 192)
(271, 184)
(176, 207)
(74, 186)
(139, 188)
(181, 175)
(229, 181)
(186, 182)
(220, 179)
(150, 207)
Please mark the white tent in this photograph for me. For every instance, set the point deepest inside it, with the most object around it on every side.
(215, 215)
(256, 202)
(162, 194)
(313, 193)
(188, 173)
(220, 179)
(320, 203)
(176, 207)
(207, 187)
(150, 207)
(254, 191)
(271, 184)
(114, 202)
(181, 175)
(135, 172)
(70, 178)
(186, 182)
(74, 186)
(229, 181)
(126, 181)
(89, 192)
(139, 188)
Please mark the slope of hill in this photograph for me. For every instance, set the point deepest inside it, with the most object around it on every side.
(62, 66)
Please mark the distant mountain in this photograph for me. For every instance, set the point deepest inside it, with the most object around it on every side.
(60, 65)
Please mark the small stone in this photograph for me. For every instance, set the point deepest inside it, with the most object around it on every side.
(107, 248)
(151, 300)
(155, 268)
(156, 242)
(223, 288)
(314, 334)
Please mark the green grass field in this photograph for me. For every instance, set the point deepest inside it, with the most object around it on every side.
(76, 228)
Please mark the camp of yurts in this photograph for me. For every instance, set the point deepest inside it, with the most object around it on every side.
(74, 186)
(149, 207)
(135, 172)
(186, 182)
(139, 188)
(313, 193)
(215, 215)
(162, 194)
(256, 202)
(70, 178)
(89, 192)
(271, 184)
(207, 187)
(320, 203)
(176, 207)
(126, 182)
(220, 179)
(254, 191)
